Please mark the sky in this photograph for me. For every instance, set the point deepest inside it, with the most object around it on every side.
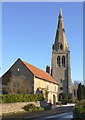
(28, 32)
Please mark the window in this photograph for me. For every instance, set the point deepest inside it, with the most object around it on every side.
(55, 88)
(61, 88)
(61, 46)
(63, 30)
(47, 87)
(58, 61)
(63, 61)
(61, 80)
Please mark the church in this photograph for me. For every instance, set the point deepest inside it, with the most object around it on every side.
(25, 78)
(61, 71)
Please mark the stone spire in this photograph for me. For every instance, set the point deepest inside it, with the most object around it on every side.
(61, 70)
(60, 15)
(60, 39)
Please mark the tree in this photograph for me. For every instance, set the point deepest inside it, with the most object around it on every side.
(18, 85)
(83, 86)
(63, 96)
(80, 92)
(76, 83)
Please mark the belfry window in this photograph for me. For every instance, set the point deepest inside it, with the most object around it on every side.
(63, 61)
(58, 61)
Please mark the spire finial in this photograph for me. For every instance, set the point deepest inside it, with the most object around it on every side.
(60, 14)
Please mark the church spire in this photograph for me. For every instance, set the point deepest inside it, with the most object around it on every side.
(61, 70)
(60, 14)
(60, 39)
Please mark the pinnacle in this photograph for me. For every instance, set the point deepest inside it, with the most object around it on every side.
(60, 14)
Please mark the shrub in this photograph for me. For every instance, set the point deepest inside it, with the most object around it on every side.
(32, 108)
(58, 103)
(21, 98)
(70, 101)
(80, 103)
(79, 112)
(81, 92)
(69, 97)
(4, 91)
(48, 107)
(64, 102)
(63, 96)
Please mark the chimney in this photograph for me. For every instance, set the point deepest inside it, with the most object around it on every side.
(48, 69)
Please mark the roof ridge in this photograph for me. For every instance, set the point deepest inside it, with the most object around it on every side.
(33, 66)
(39, 73)
(37, 68)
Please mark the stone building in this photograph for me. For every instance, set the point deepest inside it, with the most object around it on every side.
(61, 70)
(24, 78)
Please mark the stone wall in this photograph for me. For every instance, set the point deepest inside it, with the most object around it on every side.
(18, 79)
(15, 107)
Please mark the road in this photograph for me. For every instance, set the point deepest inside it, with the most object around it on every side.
(55, 114)
(68, 115)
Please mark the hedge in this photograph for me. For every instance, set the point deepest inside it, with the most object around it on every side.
(79, 112)
(13, 98)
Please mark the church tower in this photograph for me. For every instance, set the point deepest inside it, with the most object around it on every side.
(61, 70)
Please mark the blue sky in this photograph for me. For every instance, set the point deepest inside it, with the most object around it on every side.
(29, 29)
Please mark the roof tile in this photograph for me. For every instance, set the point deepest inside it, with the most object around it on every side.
(40, 73)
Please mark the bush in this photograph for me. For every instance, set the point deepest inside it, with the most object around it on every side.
(58, 103)
(70, 101)
(21, 98)
(32, 108)
(64, 102)
(63, 96)
(80, 103)
(48, 107)
(69, 97)
(79, 112)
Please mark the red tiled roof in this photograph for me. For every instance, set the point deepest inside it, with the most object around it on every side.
(39, 73)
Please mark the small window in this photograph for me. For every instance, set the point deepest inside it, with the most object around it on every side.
(47, 87)
(58, 60)
(61, 80)
(61, 46)
(61, 88)
(63, 30)
(55, 88)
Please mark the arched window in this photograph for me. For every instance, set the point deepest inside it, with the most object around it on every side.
(63, 61)
(58, 60)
